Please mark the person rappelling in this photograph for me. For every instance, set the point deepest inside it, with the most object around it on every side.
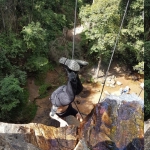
(64, 95)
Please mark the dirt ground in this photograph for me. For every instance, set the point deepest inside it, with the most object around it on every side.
(86, 99)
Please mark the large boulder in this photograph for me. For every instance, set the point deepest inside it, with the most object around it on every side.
(117, 124)
(114, 124)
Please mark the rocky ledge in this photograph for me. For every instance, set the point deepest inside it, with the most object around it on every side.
(147, 135)
(114, 124)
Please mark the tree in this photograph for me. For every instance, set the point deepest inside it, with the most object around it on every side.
(10, 96)
(26, 30)
(147, 38)
(147, 60)
(131, 45)
(101, 23)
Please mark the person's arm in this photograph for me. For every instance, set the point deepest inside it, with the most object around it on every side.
(53, 115)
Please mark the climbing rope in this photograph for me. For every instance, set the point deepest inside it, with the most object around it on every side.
(140, 92)
(75, 18)
(116, 42)
(117, 39)
(78, 110)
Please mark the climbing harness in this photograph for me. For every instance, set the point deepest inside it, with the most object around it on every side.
(75, 16)
(117, 38)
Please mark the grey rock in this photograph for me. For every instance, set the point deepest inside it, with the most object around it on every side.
(114, 124)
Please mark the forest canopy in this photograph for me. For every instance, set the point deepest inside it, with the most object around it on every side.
(31, 33)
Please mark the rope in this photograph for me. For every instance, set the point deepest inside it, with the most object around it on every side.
(78, 109)
(140, 92)
(75, 16)
(117, 39)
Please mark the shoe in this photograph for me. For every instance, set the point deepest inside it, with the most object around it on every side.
(81, 62)
(71, 64)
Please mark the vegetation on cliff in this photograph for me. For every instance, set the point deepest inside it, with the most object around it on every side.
(29, 27)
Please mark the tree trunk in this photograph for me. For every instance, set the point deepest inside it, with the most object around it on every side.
(98, 66)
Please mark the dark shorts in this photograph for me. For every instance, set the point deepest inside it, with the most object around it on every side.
(69, 111)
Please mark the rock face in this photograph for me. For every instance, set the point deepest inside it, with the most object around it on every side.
(36, 137)
(113, 124)
(147, 135)
(116, 124)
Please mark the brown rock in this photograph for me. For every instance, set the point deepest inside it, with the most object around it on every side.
(113, 124)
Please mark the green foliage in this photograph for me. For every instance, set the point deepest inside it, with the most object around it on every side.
(34, 36)
(27, 114)
(12, 51)
(43, 89)
(5, 64)
(20, 75)
(51, 66)
(26, 29)
(25, 111)
(131, 45)
(147, 60)
(14, 105)
(146, 19)
(10, 94)
(36, 63)
(146, 99)
(139, 67)
(101, 22)
(147, 39)
(40, 78)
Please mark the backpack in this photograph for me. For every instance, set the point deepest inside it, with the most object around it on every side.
(60, 97)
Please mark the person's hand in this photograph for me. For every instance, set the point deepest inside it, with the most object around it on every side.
(78, 116)
(63, 123)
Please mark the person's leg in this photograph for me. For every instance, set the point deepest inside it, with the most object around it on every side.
(79, 85)
(75, 113)
(72, 111)
(74, 85)
(81, 62)
(69, 111)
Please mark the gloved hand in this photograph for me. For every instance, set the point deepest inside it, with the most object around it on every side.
(63, 123)
(78, 116)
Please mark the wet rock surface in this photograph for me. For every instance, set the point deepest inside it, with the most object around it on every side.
(114, 124)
